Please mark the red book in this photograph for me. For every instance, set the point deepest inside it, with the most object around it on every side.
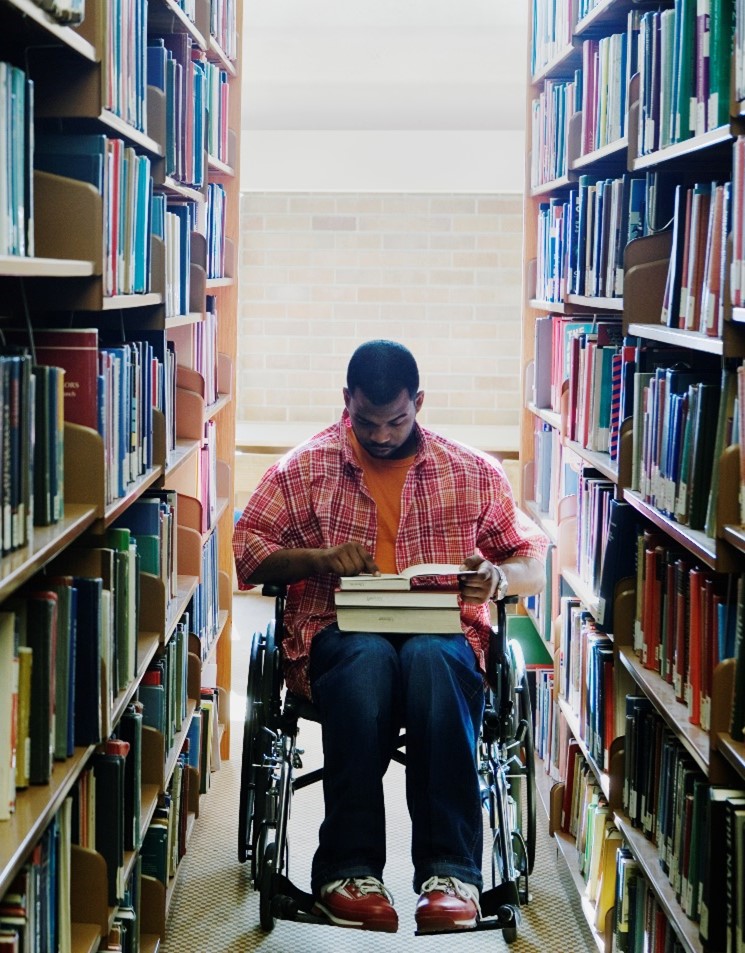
(589, 95)
(669, 607)
(152, 676)
(680, 667)
(695, 644)
(117, 746)
(651, 620)
(76, 351)
(573, 752)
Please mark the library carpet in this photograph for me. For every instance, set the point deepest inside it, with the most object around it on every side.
(214, 909)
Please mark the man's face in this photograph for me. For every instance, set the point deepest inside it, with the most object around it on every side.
(384, 431)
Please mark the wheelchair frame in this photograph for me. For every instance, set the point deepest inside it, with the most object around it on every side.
(271, 756)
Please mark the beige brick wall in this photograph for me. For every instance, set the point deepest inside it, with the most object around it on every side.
(321, 273)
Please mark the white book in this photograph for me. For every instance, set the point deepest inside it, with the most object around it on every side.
(8, 709)
(401, 580)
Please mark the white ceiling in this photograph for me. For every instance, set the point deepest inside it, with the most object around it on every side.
(384, 64)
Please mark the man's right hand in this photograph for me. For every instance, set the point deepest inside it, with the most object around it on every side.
(291, 565)
(349, 559)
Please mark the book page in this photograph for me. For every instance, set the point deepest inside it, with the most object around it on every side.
(401, 580)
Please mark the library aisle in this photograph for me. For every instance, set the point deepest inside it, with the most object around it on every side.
(214, 909)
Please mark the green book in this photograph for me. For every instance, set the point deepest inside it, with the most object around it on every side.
(148, 549)
(685, 11)
(65, 661)
(702, 455)
(724, 418)
(682, 494)
(721, 32)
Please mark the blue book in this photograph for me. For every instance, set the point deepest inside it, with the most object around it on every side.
(156, 60)
(70, 143)
(200, 123)
(142, 517)
(158, 215)
(83, 168)
(88, 661)
(143, 227)
(184, 213)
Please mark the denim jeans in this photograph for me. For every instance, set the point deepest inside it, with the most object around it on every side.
(366, 686)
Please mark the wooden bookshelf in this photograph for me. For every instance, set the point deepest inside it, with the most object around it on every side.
(731, 344)
(44, 28)
(546, 188)
(63, 284)
(646, 854)
(602, 777)
(567, 848)
(715, 553)
(613, 151)
(646, 266)
(35, 808)
(550, 417)
(598, 459)
(682, 150)
(674, 713)
(595, 304)
(22, 267)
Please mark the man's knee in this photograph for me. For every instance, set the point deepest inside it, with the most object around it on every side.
(435, 651)
(361, 666)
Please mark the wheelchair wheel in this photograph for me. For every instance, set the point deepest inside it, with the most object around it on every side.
(271, 682)
(272, 859)
(252, 731)
(525, 793)
(266, 884)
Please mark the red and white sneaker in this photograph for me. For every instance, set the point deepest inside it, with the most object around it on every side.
(446, 903)
(362, 903)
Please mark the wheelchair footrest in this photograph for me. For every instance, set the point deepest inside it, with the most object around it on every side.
(508, 917)
(505, 894)
(291, 903)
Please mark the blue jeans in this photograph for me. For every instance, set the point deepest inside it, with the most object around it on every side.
(366, 687)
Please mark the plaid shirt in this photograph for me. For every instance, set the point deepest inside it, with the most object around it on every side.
(455, 502)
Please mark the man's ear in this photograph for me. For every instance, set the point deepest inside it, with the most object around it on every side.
(347, 396)
(419, 400)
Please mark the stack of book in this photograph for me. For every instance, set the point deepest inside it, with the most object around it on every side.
(389, 603)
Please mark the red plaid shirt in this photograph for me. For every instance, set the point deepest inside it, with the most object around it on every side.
(455, 502)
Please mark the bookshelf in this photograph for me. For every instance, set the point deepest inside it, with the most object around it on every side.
(161, 433)
(572, 486)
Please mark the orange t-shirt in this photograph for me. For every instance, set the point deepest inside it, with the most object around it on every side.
(385, 481)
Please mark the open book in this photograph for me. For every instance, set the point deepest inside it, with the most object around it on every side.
(402, 580)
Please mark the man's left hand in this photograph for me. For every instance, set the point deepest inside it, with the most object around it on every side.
(481, 582)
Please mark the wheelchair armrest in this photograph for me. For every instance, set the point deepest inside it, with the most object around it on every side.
(274, 589)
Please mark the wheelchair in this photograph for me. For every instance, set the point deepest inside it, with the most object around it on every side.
(271, 758)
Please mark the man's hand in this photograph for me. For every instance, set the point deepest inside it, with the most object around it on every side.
(481, 582)
(349, 559)
(291, 565)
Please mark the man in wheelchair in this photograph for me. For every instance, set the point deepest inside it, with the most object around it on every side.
(376, 492)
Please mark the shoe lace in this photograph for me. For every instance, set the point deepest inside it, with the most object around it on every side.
(365, 885)
(460, 889)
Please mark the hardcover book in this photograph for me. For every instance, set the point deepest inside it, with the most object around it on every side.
(441, 573)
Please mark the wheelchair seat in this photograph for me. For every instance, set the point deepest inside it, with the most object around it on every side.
(271, 756)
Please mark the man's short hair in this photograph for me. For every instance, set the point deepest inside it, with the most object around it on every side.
(382, 369)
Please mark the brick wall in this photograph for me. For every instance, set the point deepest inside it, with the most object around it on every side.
(321, 273)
